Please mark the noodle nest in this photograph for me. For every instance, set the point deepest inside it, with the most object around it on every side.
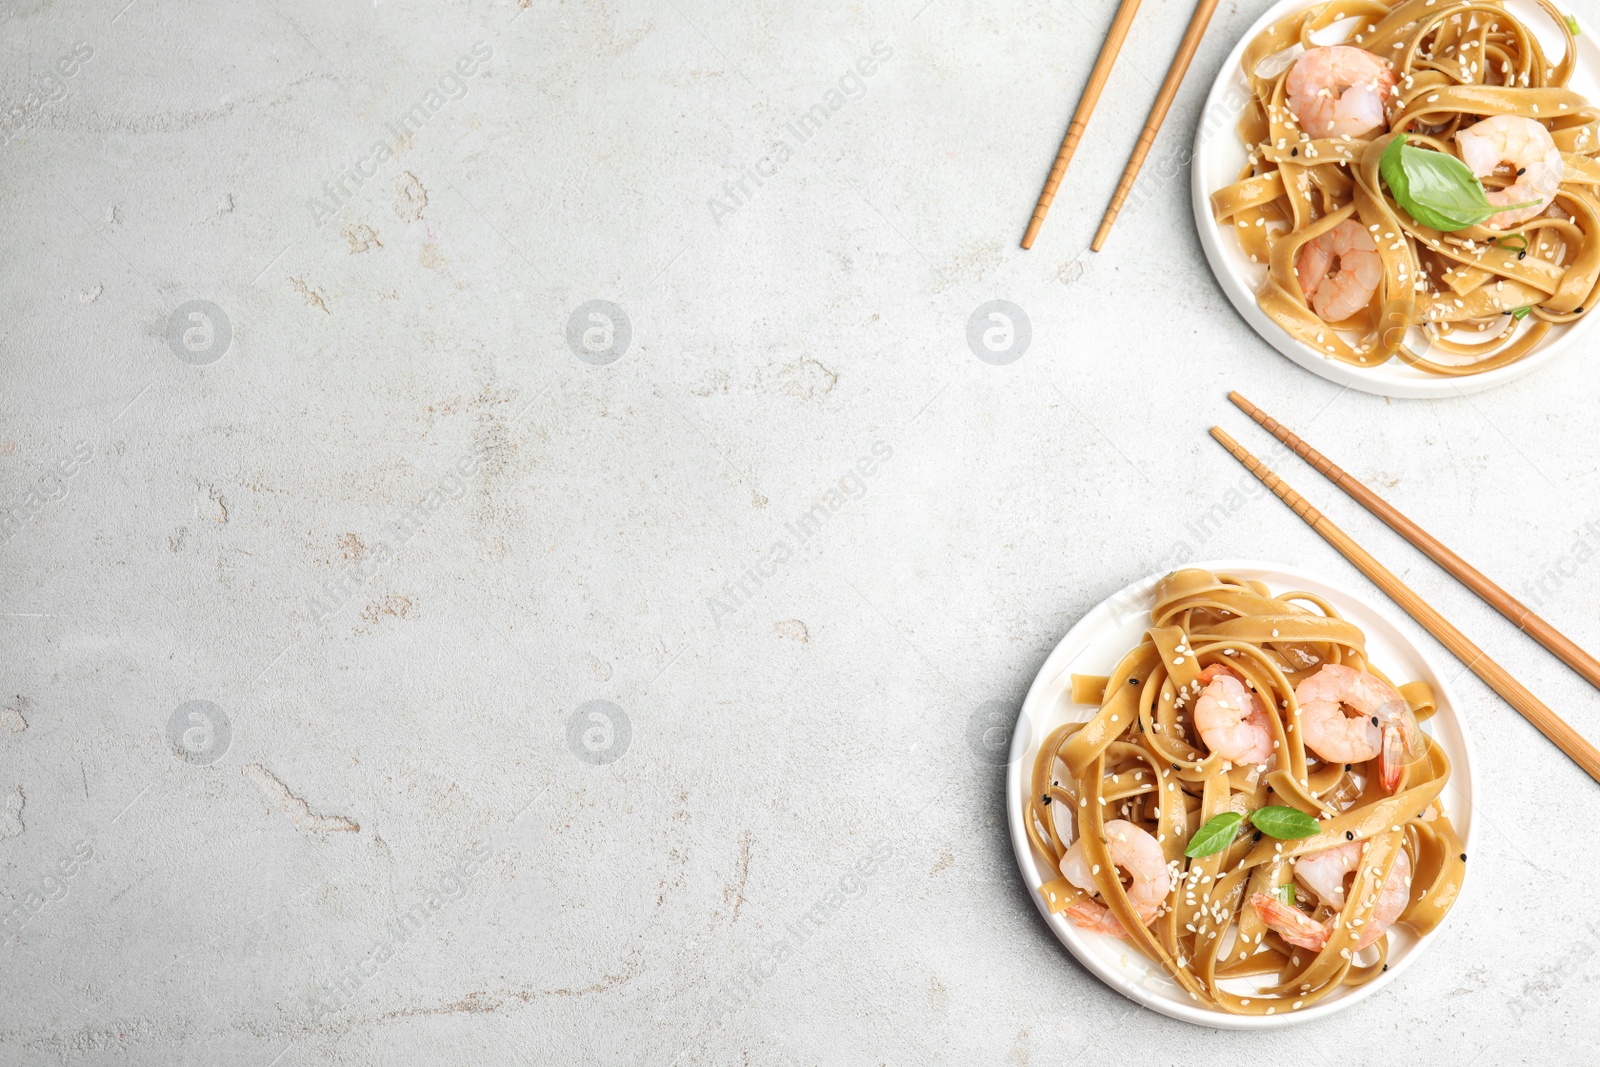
(1448, 303)
(1140, 759)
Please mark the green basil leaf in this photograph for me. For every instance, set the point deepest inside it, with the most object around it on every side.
(1521, 313)
(1392, 173)
(1443, 185)
(1216, 835)
(1437, 189)
(1286, 824)
(1397, 177)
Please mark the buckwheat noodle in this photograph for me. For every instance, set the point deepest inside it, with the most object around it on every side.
(1456, 63)
(1141, 759)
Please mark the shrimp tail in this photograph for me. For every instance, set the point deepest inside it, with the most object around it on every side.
(1392, 761)
(1401, 743)
(1093, 915)
(1290, 923)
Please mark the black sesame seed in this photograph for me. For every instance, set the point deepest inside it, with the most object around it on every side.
(1294, 151)
(1258, 835)
(1521, 171)
(1047, 799)
(1374, 720)
(1347, 766)
(1349, 835)
(1133, 681)
(1386, 966)
(1463, 857)
(1522, 254)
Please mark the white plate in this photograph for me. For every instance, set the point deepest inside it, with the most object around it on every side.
(1218, 157)
(1095, 646)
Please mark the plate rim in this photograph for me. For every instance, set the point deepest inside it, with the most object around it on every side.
(1050, 670)
(1383, 380)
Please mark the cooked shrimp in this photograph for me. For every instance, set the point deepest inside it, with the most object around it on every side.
(1382, 724)
(1324, 872)
(1339, 90)
(1328, 870)
(1339, 271)
(1095, 917)
(1231, 719)
(1139, 856)
(1524, 146)
(1290, 923)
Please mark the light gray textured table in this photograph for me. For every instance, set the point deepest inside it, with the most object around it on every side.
(367, 504)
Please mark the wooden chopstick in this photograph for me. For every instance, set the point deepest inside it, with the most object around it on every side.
(1158, 114)
(1521, 616)
(1080, 118)
(1495, 676)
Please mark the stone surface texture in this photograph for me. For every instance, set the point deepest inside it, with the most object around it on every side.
(501, 541)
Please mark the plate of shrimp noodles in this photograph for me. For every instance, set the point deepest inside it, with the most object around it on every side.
(1240, 795)
(1484, 265)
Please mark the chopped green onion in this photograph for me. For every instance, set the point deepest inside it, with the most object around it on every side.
(1505, 242)
(1572, 24)
(1520, 313)
(1285, 893)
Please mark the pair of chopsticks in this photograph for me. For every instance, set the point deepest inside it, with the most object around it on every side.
(1495, 676)
(1091, 96)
